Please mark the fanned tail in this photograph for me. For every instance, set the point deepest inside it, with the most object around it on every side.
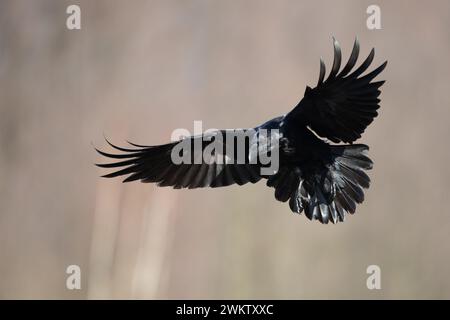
(330, 191)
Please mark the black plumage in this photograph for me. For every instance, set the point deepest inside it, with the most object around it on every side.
(325, 181)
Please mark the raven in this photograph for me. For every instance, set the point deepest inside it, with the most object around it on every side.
(321, 179)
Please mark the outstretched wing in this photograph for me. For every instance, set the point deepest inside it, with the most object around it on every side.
(341, 107)
(156, 164)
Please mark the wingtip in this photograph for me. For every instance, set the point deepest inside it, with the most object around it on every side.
(106, 139)
(336, 44)
(356, 43)
(137, 145)
(125, 149)
(383, 65)
(322, 72)
(98, 151)
(108, 142)
(336, 60)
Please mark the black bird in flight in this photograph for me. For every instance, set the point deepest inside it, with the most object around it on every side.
(321, 179)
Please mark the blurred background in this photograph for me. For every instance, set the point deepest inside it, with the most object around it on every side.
(139, 69)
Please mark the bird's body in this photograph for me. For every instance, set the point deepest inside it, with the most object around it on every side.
(299, 146)
(322, 179)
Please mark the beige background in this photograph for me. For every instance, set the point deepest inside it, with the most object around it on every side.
(139, 69)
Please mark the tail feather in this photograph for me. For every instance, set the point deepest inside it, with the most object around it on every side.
(330, 191)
